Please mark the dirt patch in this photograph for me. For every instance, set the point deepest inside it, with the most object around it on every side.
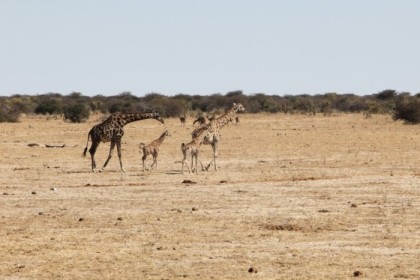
(284, 227)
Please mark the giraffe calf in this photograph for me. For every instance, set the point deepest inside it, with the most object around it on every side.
(152, 149)
(190, 148)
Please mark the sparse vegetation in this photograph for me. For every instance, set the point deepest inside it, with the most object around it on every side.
(76, 112)
(300, 197)
(11, 108)
(400, 105)
(408, 109)
(49, 105)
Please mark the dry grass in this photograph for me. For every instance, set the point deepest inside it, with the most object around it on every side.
(297, 197)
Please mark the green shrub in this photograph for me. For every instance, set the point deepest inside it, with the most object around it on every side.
(48, 106)
(9, 111)
(76, 113)
(408, 110)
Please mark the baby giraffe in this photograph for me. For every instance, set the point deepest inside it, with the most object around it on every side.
(192, 148)
(152, 149)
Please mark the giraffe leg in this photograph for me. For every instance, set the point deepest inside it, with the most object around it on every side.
(215, 150)
(154, 161)
(208, 165)
(186, 164)
(215, 146)
(202, 166)
(144, 161)
(111, 151)
(92, 152)
(194, 156)
(192, 162)
(119, 154)
(184, 153)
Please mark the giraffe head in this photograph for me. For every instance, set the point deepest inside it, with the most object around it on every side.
(156, 116)
(238, 107)
(165, 133)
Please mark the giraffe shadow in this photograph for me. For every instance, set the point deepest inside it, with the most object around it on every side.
(173, 172)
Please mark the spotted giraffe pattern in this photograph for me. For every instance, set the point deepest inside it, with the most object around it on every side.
(192, 148)
(214, 127)
(111, 130)
(152, 149)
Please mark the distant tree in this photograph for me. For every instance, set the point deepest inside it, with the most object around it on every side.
(48, 106)
(172, 108)
(326, 107)
(185, 100)
(76, 113)
(154, 97)
(126, 94)
(22, 104)
(408, 110)
(9, 110)
(303, 103)
(116, 107)
(75, 95)
(387, 94)
(234, 93)
(267, 103)
(236, 97)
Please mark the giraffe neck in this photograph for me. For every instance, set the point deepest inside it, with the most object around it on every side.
(124, 119)
(199, 137)
(227, 117)
(159, 141)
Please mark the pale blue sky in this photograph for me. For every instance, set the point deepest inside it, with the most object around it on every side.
(209, 46)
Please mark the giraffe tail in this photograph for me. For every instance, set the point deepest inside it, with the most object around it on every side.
(141, 146)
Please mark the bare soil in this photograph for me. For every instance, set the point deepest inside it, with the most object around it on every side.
(296, 197)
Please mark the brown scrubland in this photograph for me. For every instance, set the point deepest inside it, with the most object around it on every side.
(295, 197)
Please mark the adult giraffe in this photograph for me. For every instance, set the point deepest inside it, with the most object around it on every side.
(111, 130)
(213, 128)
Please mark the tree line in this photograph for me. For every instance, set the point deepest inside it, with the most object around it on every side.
(76, 107)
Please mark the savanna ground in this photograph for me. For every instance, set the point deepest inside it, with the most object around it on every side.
(296, 197)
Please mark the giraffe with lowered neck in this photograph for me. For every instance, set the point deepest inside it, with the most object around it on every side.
(111, 130)
(152, 149)
(213, 136)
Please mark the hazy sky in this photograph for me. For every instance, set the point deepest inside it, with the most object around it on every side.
(209, 46)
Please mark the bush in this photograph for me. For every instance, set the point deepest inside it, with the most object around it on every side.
(408, 109)
(9, 111)
(48, 106)
(76, 113)
(172, 108)
(386, 94)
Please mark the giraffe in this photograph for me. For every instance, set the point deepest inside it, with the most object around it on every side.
(213, 136)
(192, 148)
(202, 120)
(111, 130)
(152, 149)
(182, 119)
